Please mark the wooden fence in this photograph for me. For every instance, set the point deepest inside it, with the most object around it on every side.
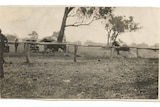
(27, 50)
(137, 49)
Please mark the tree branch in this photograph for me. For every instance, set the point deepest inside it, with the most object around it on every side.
(69, 9)
(115, 37)
(72, 15)
(81, 23)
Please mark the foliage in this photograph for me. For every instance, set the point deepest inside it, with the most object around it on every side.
(89, 42)
(120, 24)
(33, 35)
(53, 37)
(82, 16)
(156, 45)
(86, 15)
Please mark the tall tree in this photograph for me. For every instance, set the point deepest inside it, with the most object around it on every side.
(83, 16)
(117, 25)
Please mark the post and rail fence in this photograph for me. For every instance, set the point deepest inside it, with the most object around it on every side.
(28, 43)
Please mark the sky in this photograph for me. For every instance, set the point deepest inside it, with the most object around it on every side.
(22, 20)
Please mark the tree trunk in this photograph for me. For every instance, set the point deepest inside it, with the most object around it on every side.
(108, 40)
(116, 37)
(75, 52)
(61, 33)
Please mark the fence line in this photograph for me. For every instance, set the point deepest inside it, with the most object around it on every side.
(58, 43)
(76, 47)
(28, 43)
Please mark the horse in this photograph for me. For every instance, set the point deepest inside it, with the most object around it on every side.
(52, 48)
(56, 47)
(119, 48)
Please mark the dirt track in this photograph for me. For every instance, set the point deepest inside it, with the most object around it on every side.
(61, 78)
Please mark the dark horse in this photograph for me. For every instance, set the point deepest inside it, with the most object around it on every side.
(56, 47)
(119, 48)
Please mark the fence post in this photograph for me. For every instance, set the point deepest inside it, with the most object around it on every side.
(137, 52)
(112, 52)
(27, 51)
(1, 61)
(75, 52)
(68, 49)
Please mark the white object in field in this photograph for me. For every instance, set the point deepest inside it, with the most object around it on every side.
(41, 48)
(67, 81)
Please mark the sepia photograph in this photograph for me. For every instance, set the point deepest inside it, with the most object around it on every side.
(79, 52)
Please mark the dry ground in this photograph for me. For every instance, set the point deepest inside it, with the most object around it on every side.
(60, 78)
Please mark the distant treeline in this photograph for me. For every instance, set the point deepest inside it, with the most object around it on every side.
(141, 45)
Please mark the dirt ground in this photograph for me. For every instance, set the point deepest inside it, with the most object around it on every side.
(51, 77)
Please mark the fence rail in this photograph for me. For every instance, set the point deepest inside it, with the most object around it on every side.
(76, 47)
(28, 43)
(57, 43)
